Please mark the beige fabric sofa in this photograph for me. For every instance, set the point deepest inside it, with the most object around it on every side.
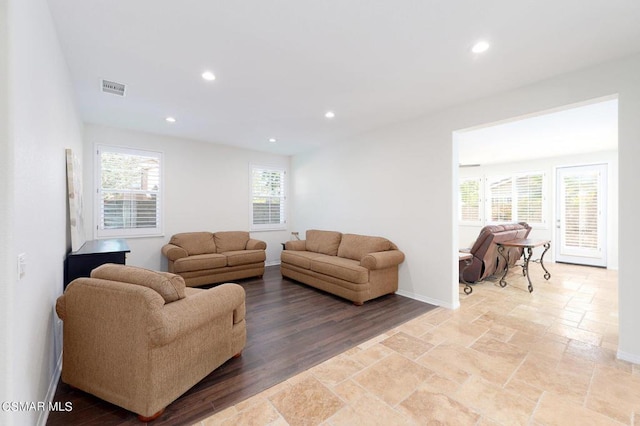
(208, 258)
(139, 339)
(355, 267)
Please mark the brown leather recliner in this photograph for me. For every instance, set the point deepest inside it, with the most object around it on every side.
(486, 259)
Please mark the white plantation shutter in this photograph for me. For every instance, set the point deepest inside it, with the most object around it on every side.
(581, 210)
(529, 198)
(470, 200)
(129, 192)
(500, 199)
(516, 198)
(268, 198)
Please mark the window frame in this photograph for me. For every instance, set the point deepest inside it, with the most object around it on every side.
(282, 225)
(481, 210)
(486, 201)
(515, 198)
(156, 231)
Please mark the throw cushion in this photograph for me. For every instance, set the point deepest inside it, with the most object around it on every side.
(231, 240)
(325, 242)
(341, 268)
(170, 286)
(356, 246)
(195, 242)
(245, 257)
(200, 262)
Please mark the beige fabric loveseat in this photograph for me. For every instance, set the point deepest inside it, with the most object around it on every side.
(208, 258)
(355, 267)
(140, 339)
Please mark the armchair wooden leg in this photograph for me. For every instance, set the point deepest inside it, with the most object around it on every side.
(144, 419)
(358, 303)
(238, 355)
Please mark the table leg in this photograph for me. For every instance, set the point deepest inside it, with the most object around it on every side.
(547, 275)
(527, 256)
(503, 282)
(467, 288)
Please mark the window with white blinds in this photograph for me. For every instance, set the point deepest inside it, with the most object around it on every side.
(129, 192)
(501, 199)
(516, 198)
(529, 198)
(470, 200)
(268, 198)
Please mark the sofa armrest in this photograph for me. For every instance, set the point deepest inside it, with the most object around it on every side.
(256, 245)
(298, 245)
(198, 309)
(61, 307)
(173, 252)
(382, 259)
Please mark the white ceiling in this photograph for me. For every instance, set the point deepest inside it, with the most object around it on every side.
(583, 129)
(281, 64)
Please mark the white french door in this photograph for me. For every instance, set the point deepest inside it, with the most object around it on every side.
(581, 222)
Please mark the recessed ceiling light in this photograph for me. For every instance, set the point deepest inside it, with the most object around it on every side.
(330, 114)
(170, 120)
(480, 47)
(272, 140)
(208, 75)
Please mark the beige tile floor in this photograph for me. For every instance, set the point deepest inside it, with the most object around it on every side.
(506, 357)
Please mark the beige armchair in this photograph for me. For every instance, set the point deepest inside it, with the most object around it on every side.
(140, 339)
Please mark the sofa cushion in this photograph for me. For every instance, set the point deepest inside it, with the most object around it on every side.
(195, 242)
(339, 267)
(301, 259)
(356, 246)
(200, 262)
(325, 242)
(231, 240)
(244, 257)
(170, 286)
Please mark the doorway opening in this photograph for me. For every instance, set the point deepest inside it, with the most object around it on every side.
(556, 170)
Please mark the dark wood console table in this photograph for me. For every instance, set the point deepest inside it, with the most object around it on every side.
(527, 245)
(92, 254)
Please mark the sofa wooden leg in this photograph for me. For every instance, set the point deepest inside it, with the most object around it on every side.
(238, 355)
(358, 303)
(145, 419)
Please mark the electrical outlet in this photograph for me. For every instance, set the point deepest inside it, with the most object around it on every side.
(22, 265)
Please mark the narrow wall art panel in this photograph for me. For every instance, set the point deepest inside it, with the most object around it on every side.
(74, 191)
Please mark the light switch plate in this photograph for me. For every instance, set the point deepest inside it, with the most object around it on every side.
(22, 265)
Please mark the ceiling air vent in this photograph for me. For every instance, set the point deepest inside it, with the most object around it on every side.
(113, 87)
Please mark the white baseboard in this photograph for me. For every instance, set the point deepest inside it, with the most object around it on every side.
(429, 300)
(625, 356)
(51, 392)
(272, 263)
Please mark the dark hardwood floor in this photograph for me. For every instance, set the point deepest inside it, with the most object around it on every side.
(290, 327)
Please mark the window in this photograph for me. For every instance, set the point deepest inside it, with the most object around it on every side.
(128, 195)
(470, 201)
(500, 200)
(268, 198)
(529, 197)
(516, 198)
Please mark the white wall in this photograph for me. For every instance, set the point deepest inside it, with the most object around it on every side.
(43, 122)
(469, 233)
(400, 182)
(388, 183)
(206, 189)
(6, 197)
